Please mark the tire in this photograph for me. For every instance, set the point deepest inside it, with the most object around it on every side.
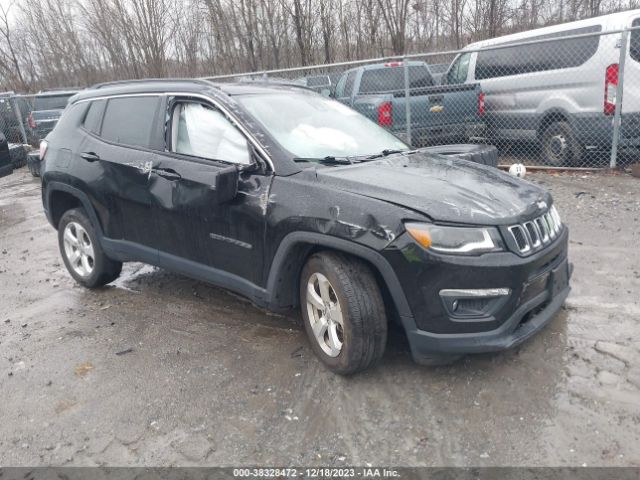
(560, 147)
(102, 269)
(482, 154)
(33, 163)
(18, 155)
(353, 289)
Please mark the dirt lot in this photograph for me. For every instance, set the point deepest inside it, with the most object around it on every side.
(158, 369)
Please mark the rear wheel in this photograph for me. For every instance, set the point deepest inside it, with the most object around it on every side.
(343, 312)
(82, 253)
(560, 146)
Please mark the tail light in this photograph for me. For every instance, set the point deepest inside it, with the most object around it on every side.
(610, 87)
(385, 115)
(31, 121)
(393, 64)
(43, 149)
(481, 108)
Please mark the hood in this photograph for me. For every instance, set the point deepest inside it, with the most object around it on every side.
(444, 189)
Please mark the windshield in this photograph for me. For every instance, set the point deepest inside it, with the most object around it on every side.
(312, 126)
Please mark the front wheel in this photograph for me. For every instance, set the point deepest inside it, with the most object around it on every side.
(560, 147)
(82, 253)
(343, 312)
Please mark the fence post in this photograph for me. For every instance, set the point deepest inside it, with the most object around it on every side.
(407, 98)
(617, 117)
(18, 114)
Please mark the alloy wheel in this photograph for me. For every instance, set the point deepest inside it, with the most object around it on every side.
(78, 249)
(325, 314)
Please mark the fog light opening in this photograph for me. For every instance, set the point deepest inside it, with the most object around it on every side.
(473, 303)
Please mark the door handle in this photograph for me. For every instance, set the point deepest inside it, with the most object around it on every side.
(90, 156)
(167, 173)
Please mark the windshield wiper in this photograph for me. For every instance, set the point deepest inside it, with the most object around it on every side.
(328, 160)
(386, 153)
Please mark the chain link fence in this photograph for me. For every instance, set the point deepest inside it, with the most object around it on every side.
(14, 117)
(567, 99)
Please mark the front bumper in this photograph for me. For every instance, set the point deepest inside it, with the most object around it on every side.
(514, 331)
(538, 286)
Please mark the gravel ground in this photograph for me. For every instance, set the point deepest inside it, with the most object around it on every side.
(158, 369)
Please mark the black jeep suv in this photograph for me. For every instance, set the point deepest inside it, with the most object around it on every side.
(293, 199)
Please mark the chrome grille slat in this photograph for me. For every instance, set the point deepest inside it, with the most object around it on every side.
(536, 234)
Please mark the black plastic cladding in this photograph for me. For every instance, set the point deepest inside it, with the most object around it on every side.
(256, 244)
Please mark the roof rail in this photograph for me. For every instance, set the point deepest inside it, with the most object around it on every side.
(282, 82)
(150, 80)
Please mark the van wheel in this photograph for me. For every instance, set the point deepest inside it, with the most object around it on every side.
(82, 253)
(560, 147)
(343, 312)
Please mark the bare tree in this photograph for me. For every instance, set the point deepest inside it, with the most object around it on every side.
(47, 43)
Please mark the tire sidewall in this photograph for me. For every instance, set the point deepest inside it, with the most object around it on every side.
(341, 363)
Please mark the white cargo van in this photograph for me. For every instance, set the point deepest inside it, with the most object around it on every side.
(561, 94)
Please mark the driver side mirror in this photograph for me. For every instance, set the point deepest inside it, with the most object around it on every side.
(226, 184)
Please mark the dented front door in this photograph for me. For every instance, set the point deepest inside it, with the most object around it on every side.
(194, 227)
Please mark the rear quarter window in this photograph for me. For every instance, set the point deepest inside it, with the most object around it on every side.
(93, 117)
(521, 59)
(130, 120)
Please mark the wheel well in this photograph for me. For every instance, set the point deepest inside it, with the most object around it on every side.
(61, 202)
(288, 286)
(548, 119)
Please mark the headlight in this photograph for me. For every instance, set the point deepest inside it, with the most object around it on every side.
(456, 240)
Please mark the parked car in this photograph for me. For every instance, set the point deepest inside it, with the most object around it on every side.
(560, 94)
(439, 114)
(6, 165)
(318, 83)
(319, 209)
(47, 108)
(13, 108)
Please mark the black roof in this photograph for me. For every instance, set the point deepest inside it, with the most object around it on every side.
(187, 85)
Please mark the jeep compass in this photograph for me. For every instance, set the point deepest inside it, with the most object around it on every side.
(297, 201)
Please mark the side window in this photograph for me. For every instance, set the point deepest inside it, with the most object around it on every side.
(521, 59)
(340, 86)
(200, 131)
(634, 46)
(129, 120)
(93, 117)
(348, 87)
(459, 70)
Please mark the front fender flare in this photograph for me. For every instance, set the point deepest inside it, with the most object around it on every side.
(289, 246)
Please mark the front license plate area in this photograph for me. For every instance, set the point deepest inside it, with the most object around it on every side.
(559, 278)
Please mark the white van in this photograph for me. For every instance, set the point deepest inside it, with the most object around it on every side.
(561, 93)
